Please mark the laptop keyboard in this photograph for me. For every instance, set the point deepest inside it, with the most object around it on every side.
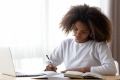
(18, 74)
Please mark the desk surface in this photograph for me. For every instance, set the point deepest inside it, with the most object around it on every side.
(4, 77)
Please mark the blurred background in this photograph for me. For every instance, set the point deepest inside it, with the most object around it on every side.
(31, 28)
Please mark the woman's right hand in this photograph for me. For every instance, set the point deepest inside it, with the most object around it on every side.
(51, 67)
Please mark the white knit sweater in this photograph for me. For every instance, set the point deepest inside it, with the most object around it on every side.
(96, 55)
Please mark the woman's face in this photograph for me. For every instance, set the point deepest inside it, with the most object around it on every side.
(81, 32)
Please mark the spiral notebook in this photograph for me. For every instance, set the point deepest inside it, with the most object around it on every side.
(7, 65)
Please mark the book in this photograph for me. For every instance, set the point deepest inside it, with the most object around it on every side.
(81, 75)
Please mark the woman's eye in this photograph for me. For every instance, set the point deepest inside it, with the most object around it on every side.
(84, 32)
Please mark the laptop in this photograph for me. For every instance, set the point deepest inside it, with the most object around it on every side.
(7, 66)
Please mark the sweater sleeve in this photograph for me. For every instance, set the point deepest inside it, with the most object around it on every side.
(107, 66)
(57, 55)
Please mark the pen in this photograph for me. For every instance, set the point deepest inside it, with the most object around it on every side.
(48, 59)
(51, 66)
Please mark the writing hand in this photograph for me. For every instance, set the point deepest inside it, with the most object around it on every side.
(51, 67)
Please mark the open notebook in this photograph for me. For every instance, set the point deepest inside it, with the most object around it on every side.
(81, 75)
(7, 66)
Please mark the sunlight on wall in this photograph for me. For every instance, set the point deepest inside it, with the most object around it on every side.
(22, 22)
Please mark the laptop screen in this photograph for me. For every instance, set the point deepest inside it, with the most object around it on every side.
(6, 61)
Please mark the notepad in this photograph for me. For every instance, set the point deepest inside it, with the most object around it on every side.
(81, 75)
(50, 74)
